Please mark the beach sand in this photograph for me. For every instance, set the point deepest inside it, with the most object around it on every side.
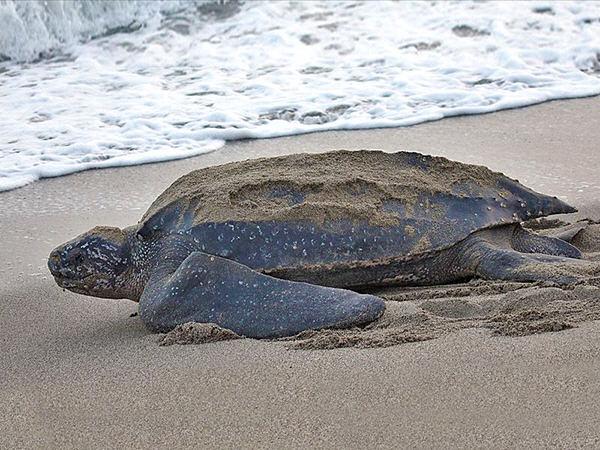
(80, 372)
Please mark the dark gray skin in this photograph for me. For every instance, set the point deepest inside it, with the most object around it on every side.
(175, 283)
(275, 278)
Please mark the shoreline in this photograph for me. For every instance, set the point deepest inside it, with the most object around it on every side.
(496, 140)
(110, 164)
(78, 371)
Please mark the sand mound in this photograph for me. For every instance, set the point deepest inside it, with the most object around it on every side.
(528, 322)
(588, 239)
(197, 333)
(401, 323)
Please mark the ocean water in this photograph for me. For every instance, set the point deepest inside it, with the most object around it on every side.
(93, 84)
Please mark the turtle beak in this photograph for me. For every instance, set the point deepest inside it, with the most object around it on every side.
(65, 263)
(65, 273)
(54, 263)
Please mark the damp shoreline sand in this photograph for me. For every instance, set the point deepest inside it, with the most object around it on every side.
(78, 371)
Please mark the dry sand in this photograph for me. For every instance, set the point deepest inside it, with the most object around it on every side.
(80, 372)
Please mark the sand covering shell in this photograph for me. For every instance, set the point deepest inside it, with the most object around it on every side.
(399, 204)
(328, 186)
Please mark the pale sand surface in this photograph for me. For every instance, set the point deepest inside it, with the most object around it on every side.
(79, 372)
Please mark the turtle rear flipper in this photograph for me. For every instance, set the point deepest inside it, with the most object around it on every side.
(207, 288)
(529, 242)
(519, 255)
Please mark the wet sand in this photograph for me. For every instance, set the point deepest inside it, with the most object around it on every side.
(80, 372)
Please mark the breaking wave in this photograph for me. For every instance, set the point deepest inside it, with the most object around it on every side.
(94, 84)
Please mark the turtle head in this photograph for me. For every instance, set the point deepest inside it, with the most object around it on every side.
(95, 263)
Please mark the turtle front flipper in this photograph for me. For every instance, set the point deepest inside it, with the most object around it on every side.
(207, 288)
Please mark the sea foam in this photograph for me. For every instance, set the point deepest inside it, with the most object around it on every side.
(98, 84)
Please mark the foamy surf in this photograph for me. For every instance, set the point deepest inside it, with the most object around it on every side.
(136, 82)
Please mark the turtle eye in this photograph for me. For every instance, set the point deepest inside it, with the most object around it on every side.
(76, 257)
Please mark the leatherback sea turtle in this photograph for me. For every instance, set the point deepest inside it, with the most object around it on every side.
(270, 247)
